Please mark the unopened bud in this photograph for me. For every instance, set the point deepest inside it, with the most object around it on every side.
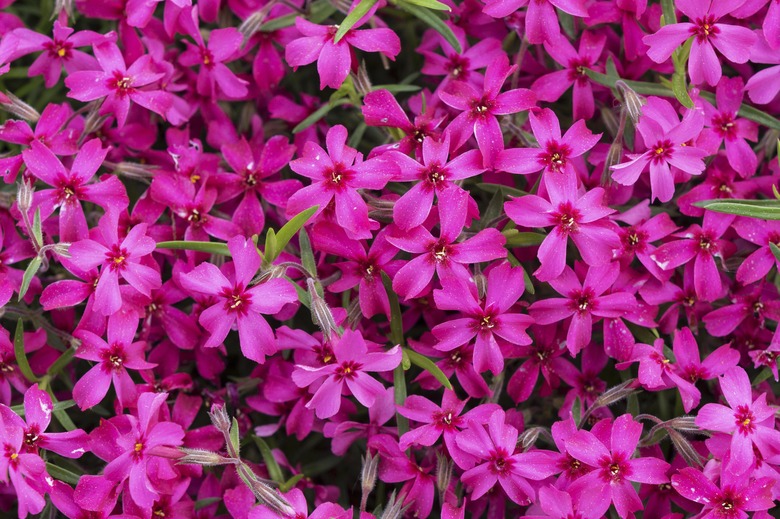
(632, 101)
(684, 424)
(609, 119)
(481, 281)
(204, 457)
(354, 314)
(24, 196)
(267, 495)
(368, 478)
(132, 170)
(614, 156)
(395, 507)
(320, 311)
(495, 388)
(61, 249)
(685, 448)
(380, 209)
(444, 467)
(360, 80)
(253, 22)
(528, 437)
(616, 393)
(60, 6)
(21, 109)
(93, 121)
(220, 418)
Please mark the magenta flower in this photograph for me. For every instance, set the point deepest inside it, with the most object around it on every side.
(112, 359)
(636, 241)
(224, 46)
(550, 87)
(72, 187)
(25, 470)
(609, 455)
(579, 217)
(119, 84)
(53, 130)
(13, 249)
(759, 232)
(350, 366)
(381, 109)
(725, 126)
(334, 60)
(442, 421)
(396, 467)
(298, 501)
(541, 20)
(666, 140)
(118, 259)
(236, 301)
(763, 86)
(488, 321)
(753, 305)
(543, 355)
(557, 504)
(443, 255)
(479, 110)
(732, 41)
(435, 174)
(463, 66)
(336, 176)
(555, 153)
(750, 422)
(733, 500)
(37, 417)
(59, 51)
(701, 244)
(583, 302)
(499, 463)
(134, 449)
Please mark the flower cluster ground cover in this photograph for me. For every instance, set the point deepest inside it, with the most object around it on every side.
(389, 258)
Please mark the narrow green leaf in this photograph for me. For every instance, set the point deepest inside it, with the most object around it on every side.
(775, 250)
(765, 374)
(397, 337)
(433, 21)
(269, 251)
(397, 89)
(235, 440)
(290, 483)
(667, 8)
(60, 414)
(430, 4)
(286, 233)
(307, 256)
(211, 247)
(274, 470)
(36, 228)
(360, 10)
(680, 89)
(406, 362)
(203, 503)
(492, 188)
(318, 114)
(741, 208)
(423, 362)
(62, 474)
(59, 364)
(29, 274)
(514, 238)
(59, 406)
(281, 22)
(567, 24)
(21, 355)
(576, 410)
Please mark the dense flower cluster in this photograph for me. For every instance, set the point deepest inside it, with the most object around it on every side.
(404, 258)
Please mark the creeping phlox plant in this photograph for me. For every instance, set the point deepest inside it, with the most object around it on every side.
(389, 258)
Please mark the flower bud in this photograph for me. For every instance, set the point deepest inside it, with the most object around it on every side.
(368, 478)
(632, 101)
(220, 418)
(443, 472)
(204, 457)
(24, 196)
(614, 155)
(616, 393)
(394, 508)
(61, 249)
(528, 437)
(684, 423)
(320, 311)
(360, 80)
(685, 448)
(267, 495)
(21, 109)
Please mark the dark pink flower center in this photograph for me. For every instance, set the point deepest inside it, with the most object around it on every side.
(116, 258)
(704, 28)
(12, 455)
(69, 191)
(614, 468)
(745, 420)
(662, 151)
(724, 125)
(728, 504)
(566, 218)
(458, 67)
(434, 175)
(114, 357)
(707, 243)
(138, 450)
(577, 68)
(121, 83)
(663, 362)
(347, 370)
(440, 251)
(448, 420)
(59, 49)
(583, 301)
(338, 177)
(500, 462)
(31, 438)
(694, 373)
(634, 239)
(481, 108)
(237, 300)
(207, 57)
(555, 156)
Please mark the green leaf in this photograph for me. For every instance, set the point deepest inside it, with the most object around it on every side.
(423, 362)
(430, 4)
(235, 440)
(493, 188)
(775, 250)
(514, 238)
(29, 274)
(59, 364)
(433, 21)
(567, 24)
(744, 208)
(211, 247)
(21, 355)
(397, 89)
(667, 8)
(269, 251)
(360, 10)
(282, 237)
(59, 406)
(281, 22)
(60, 414)
(680, 89)
(775, 191)
(576, 410)
(318, 114)
(274, 470)
(206, 501)
(290, 483)
(307, 256)
(62, 474)
(397, 337)
(36, 228)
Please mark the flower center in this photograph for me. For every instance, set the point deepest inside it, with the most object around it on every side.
(121, 83)
(117, 257)
(487, 322)
(237, 300)
(555, 156)
(567, 218)
(662, 151)
(439, 253)
(347, 370)
(705, 27)
(745, 420)
(435, 175)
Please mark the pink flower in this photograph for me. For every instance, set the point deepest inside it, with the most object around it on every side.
(759, 232)
(488, 321)
(350, 366)
(239, 302)
(541, 20)
(479, 110)
(550, 87)
(118, 259)
(118, 84)
(434, 175)
(336, 176)
(666, 139)
(579, 217)
(443, 256)
(112, 359)
(463, 66)
(708, 34)
(396, 467)
(750, 422)
(72, 187)
(334, 60)
(25, 470)
(583, 302)
(735, 497)
(555, 153)
(499, 463)
(609, 455)
(543, 355)
(636, 241)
